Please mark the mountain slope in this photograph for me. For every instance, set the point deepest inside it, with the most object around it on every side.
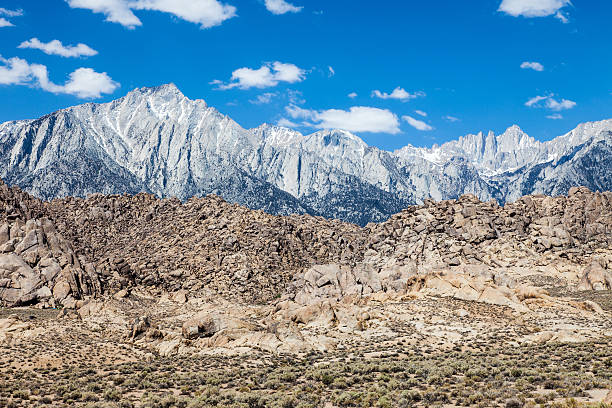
(156, 140)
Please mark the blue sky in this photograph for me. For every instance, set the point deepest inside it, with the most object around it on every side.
(545, 65)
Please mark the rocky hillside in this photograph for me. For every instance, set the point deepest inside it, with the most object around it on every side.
(204, 243)
(155, 140)
(207, 245)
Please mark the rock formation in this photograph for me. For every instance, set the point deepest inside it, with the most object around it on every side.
(209, 275)
(37, 265)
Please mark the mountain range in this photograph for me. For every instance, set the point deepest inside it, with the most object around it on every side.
(158, 141)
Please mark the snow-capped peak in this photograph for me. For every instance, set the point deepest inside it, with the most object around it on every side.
(155, 139)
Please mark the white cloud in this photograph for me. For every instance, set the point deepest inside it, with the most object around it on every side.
(15, 71)
(555, 116)
(116, 11)
(281, 7)
(533, 8)
(297, 112)
(56, 47)
(562, 17)
(536, 66)
(331, 71)
(563, 104)
(11, 13)
(284, 122)
(421, 113)
(356, 119)
(398, 93)
(549, 102)
(206, 13)
(535, 100)
(263, 99)
(352, 95)
(451, 118)
(267, 76)
(417, 124)
(295, 97)
(87, 83)
(83, 82)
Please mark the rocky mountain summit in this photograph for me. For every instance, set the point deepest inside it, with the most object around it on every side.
(157, 141)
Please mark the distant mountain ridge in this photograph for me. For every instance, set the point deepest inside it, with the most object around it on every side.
(156, 140)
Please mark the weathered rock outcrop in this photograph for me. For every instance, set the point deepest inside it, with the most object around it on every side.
(597, 276)
(532, 230)
(37, 265)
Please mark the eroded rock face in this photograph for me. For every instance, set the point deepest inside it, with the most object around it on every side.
(11, 326)
(206, 275)
(333, 282)
(596, 276)
(37, 265)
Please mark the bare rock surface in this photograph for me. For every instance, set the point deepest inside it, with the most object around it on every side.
(37, 265)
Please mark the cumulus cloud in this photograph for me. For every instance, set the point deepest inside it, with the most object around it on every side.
(549, 102)
(281, 7)
(535, 100)
(356, 119)
(116, 11)
(398, 93)
(15, 71)
(352, 95)
(87, 83)
(56, 47)
(5, 23)
(267, 76)
(206, 13)
(421, 113)
(534, 8)
(83, 82)
(295, 97)
(555, 116)
(417, 124)
(536, 66)
(452, 118)
(297, 112)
